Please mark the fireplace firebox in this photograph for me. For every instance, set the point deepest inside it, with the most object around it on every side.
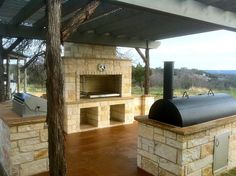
(100, 86)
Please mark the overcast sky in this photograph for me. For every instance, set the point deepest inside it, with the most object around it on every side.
(206, 51)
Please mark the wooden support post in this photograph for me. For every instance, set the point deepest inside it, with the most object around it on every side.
(8, 93)
(25, 77)
(18, 75)
(55, 101)
(147, 71)
(2, 90)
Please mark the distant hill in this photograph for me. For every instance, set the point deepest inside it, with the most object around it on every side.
(221, 72)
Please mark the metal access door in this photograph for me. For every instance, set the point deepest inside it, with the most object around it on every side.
(221, 151)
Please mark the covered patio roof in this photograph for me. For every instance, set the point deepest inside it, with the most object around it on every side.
(122, 22)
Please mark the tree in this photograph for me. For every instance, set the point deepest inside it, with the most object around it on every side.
(2, 92)
(138, 75)
(37, 70)
(55, 108)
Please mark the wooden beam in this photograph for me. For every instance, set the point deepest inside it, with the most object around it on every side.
(55, 84)
(27, 11)
(147, 70)
(190, 9)
(13, 46)
(2, 89)
(141, 54)
(28, 32)
(32, 60)
(79, 17)
(112, 41)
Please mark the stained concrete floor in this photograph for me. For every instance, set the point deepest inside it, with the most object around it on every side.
(103, 152)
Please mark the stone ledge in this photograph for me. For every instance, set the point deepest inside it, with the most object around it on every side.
(190, 129)
(12, 119)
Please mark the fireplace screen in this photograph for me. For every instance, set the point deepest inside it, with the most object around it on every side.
(98, 86)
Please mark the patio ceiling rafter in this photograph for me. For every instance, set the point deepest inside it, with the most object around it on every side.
(28, 10)
(112, 41)
(120, 22)
(67, 8)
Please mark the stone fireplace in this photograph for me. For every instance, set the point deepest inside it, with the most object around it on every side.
(98, 89)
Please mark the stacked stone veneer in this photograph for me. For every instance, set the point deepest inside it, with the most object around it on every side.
(162, 152)
(83, 59)
(24, 149)
(75, 67)
(5, 146)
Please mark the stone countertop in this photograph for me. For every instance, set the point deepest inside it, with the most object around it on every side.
(13, 119)
(190, 129)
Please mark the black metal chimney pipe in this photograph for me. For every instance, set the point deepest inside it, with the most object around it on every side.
(168, 80)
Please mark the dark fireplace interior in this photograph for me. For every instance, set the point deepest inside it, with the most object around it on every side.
(100, 86)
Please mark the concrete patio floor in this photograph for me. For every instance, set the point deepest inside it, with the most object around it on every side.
(103, 152)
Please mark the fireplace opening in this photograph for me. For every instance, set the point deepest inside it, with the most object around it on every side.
(88, 117)
(100, 86)
(117, 114)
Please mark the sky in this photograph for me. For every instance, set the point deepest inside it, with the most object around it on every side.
(206, 51)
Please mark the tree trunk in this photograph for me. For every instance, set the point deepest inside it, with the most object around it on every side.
(147, 72)
(2, 88)
(146, 61)
(55, 109)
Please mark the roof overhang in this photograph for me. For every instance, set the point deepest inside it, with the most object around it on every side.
(128, 23)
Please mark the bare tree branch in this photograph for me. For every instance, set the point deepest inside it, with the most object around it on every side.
(80, 16)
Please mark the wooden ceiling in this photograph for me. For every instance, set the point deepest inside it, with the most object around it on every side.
(122, 22)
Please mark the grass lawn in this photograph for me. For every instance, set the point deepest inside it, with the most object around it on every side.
(157, 91)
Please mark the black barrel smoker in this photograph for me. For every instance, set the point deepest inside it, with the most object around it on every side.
(189, 110)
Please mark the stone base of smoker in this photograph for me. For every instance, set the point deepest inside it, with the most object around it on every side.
(90, 114)
(168, 150)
